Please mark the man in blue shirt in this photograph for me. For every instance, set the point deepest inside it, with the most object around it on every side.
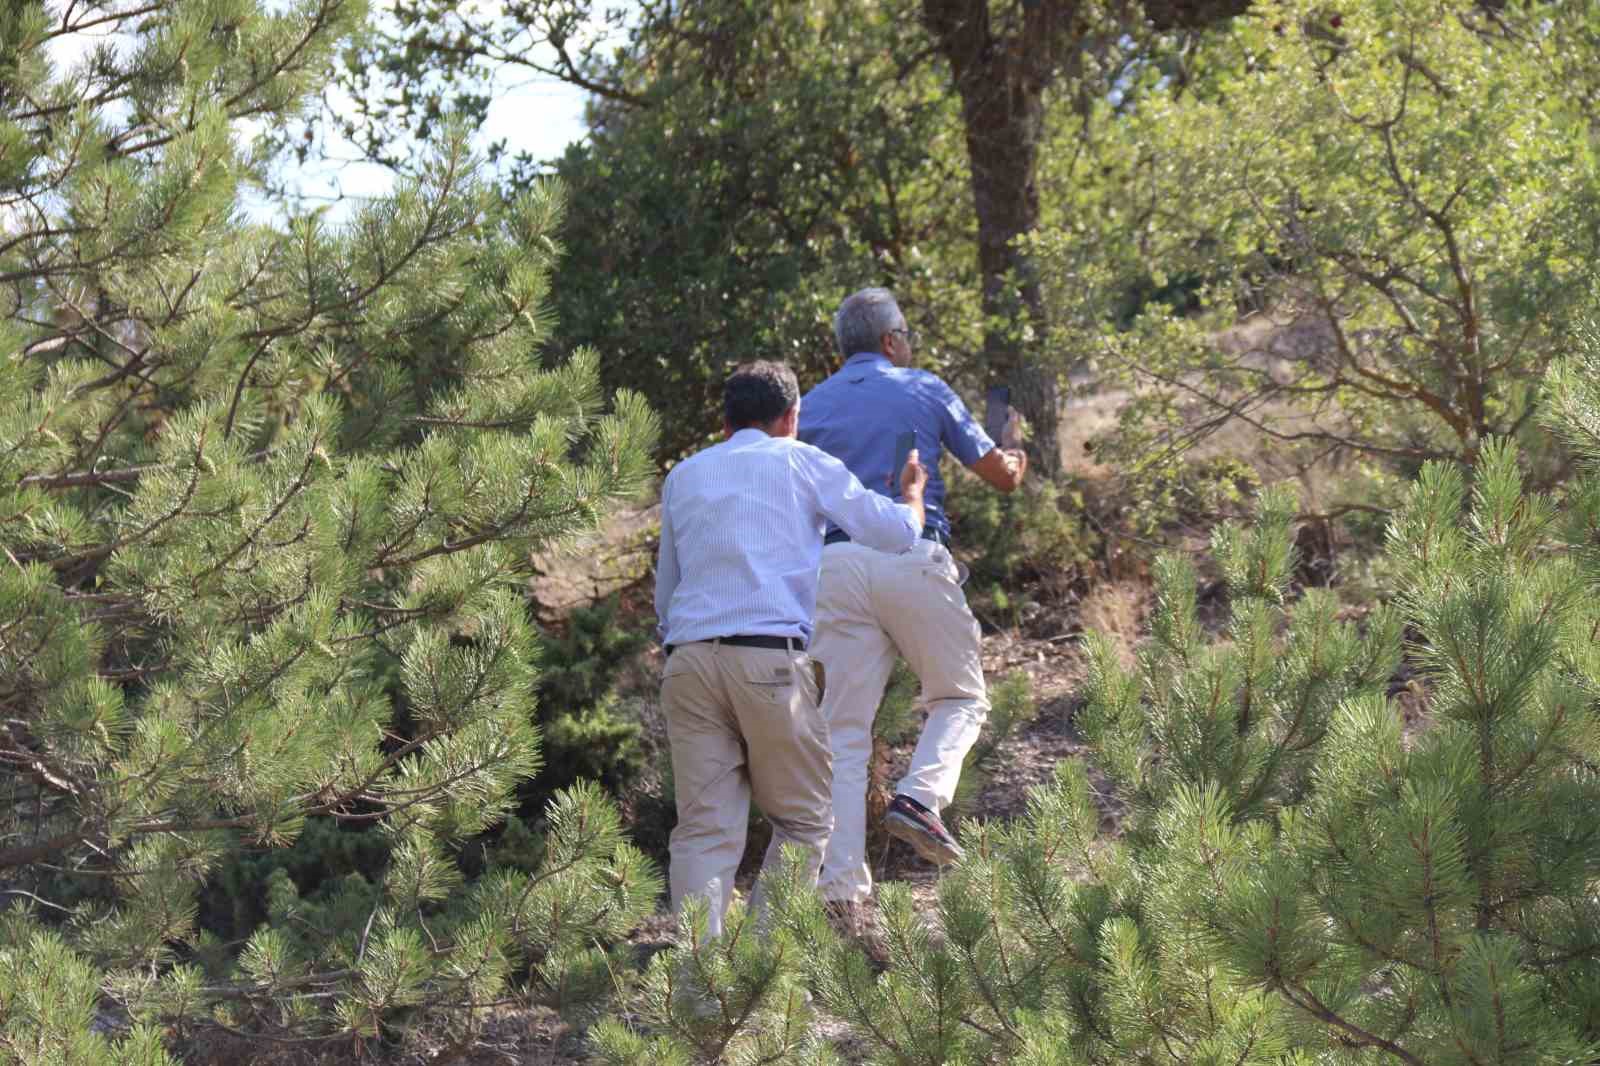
(736, 584)
(871, 605)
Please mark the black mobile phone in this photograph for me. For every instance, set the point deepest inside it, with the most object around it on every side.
(902, 449)
(997, 412)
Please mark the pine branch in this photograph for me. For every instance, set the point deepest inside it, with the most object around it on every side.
(26, 854)
(1306, 1001)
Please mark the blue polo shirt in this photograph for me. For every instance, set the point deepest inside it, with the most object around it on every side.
(856, 414)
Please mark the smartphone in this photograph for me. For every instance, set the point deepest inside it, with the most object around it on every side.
(997, 412)
(902, 449)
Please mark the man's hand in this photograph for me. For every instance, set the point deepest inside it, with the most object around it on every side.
(914, 478)
(1016, 461)
(1003, 468)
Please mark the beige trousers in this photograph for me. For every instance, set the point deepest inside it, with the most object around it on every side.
(871, 605)
(742, 722)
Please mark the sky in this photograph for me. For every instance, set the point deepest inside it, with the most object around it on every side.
(540, 116)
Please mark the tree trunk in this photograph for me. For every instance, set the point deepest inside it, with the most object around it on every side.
(1003, 130)
(1002, 75)
(1002, 82)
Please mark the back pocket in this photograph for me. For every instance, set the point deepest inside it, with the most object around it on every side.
(771, 676)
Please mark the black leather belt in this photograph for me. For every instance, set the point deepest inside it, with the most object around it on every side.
(839, 536)
(774, 643)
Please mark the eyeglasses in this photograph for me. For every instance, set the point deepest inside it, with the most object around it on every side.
(911, 336)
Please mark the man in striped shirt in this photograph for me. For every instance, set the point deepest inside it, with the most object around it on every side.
(742, 524)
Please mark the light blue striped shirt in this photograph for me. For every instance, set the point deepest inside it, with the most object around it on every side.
(741, 536)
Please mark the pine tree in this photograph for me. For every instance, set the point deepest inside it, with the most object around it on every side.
(265, 497)
(1301, 873)
(1298, 875)
(737, 998)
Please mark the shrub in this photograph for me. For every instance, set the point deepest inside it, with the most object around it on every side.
(589, 730)
(266, 497)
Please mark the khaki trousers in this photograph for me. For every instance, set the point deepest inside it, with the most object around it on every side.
(871, 605)
(742, 722)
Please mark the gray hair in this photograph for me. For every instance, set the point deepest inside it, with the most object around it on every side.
(863, 319)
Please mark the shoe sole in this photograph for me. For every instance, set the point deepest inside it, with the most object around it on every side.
(924, 843)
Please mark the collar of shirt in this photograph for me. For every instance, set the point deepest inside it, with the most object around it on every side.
(741, 536)
(856, 414)
(868, 358)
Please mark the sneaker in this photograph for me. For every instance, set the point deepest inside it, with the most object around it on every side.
(922, 829)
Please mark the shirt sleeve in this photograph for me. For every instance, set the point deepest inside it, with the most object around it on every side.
(959, 431)
(868, 517)
(667, 572)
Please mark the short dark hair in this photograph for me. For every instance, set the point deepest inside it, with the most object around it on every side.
(758, 392)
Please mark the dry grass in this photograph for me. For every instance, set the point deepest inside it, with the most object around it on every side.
(594, 565)
(1118, 609)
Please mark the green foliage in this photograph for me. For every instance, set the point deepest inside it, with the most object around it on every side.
(325, 861)
(1391, 207)
(1019, 546)
(48, 1002)
(588, 732)
(1242, 716)
(749, 163)
(1193, 492)
(269, 498)
(737, 998)
(1444, 863)
(1295, 872)
(579, 666)
(1299, 875)
(746, 166)
(771, 159)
